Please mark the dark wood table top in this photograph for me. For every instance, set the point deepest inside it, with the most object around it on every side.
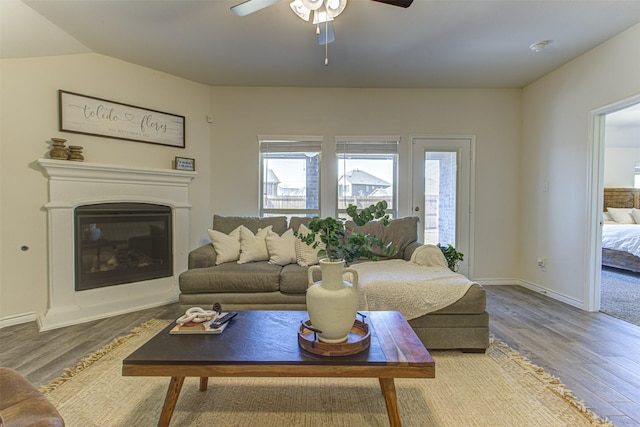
(270, 338)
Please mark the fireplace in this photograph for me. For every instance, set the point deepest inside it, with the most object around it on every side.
(118, 243)
(84, 197)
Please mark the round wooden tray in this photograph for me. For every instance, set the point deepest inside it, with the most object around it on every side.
(358, 340)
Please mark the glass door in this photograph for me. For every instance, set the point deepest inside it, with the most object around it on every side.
(441, 192)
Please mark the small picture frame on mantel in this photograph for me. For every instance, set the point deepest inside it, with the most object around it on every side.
(185, 164)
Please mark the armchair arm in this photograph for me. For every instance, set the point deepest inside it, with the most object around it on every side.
(202, 257)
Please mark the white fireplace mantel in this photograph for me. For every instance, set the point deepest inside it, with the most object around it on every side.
(72, 184)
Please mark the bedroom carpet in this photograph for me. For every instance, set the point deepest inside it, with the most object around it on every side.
(499, 388)
(620, 295)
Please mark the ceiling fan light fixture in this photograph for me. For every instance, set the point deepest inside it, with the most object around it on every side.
(313, 4)
(335, 7)
(300, 9)
(321, 15)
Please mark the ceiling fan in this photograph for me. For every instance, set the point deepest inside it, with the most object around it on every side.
(250, 6)
(323, 13)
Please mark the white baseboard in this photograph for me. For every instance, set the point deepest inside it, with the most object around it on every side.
(83, 314)
(552, 294)
(17, 319)
(497, 282)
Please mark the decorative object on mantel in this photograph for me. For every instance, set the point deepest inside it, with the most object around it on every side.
(185, 164)
(59, 151)
(75, 153)
(332, 303)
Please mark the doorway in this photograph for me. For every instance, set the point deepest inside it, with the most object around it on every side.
(615, 165)
(442, 171)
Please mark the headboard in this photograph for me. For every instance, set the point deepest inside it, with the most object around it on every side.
(621, 198)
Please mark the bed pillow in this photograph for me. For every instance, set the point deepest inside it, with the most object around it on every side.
(305, 254)
(282, 249)
(227, 246)
(606, 218)
(621, 215)
(635, 214)
(253, 247)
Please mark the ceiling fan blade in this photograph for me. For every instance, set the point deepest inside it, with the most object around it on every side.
(401, 3)
(250, 6)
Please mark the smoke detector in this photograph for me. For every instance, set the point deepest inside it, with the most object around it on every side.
(539, 46)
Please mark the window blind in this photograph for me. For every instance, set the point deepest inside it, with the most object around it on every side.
(310, 144)
(344, 146)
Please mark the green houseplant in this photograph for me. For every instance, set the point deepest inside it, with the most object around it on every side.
(332, 303)
(331, 232)
(452, 256)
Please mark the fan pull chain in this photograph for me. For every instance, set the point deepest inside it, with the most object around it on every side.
(326, 45)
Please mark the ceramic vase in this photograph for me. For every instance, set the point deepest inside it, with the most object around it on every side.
(332, 303)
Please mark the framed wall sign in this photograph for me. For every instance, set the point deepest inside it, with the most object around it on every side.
(99, 117)
(185, 164)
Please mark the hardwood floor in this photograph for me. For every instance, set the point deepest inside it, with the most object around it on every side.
(597, 356)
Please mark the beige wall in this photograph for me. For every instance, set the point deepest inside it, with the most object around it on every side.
(556, 147)
(226, 151)
(515, 221)
(493, 116)
(30, 118)
(619, 167)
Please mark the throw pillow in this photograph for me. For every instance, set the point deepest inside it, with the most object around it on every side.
(621, 215)
(305, 254)
(227, 246)
(253, 247)
(282, 249)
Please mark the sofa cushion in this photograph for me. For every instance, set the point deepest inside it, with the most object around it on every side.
(294, 279)
(227, 224)
(401, 232)
(296, 221)
(227, 246)
(253, 247)
(307, 255)
(231, 277)
(282, 249)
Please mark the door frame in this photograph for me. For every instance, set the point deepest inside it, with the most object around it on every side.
(472, 156)
(595, 192)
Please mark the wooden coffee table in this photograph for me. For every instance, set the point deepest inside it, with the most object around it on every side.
(265, 344)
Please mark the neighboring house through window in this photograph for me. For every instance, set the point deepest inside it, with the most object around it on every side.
(367, 170)
(290, 176)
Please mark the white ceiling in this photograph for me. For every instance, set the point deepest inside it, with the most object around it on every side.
(432, 44)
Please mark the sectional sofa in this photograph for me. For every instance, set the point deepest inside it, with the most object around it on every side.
(256, 263)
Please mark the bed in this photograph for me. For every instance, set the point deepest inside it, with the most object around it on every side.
(621, 229)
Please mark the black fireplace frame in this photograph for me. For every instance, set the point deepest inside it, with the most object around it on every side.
(114, 212)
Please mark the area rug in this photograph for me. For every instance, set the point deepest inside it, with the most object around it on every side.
(499, 388)
(620, 295)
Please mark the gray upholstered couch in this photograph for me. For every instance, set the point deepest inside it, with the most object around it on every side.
(261, 285)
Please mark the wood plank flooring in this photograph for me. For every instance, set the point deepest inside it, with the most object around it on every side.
(597, 356)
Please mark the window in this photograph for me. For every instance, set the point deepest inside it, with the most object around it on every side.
(367, 169)
(290, 176)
